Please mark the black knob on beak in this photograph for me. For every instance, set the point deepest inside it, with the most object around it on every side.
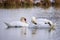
(49, 23)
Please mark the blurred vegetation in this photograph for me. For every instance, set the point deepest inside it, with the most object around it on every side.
(27, 4)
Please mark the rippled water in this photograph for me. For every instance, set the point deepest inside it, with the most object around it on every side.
(7, 15)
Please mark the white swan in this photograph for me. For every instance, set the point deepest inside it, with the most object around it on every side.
(43, 23)
(22, 23)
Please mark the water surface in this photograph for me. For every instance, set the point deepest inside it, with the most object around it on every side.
(8, 15)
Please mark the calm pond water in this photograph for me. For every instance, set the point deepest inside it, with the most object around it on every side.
(7, 15)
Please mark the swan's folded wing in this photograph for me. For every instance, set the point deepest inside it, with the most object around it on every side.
(43, 25)
(14, 23)
(18, 23)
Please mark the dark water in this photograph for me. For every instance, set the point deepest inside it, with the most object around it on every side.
(7, 15)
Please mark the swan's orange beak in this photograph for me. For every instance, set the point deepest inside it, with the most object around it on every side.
(34, 20)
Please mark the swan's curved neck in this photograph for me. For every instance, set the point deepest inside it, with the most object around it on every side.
(34, 21)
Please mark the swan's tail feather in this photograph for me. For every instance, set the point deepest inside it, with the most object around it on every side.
(7, 25)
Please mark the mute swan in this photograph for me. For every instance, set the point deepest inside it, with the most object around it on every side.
(22, 23)
(43, 23)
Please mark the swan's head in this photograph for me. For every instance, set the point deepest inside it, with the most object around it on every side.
(23, 19)
(51, 24)
(34, 20)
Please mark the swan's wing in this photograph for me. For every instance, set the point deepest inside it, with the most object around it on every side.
(41, 20)
(44, 20)
(14, 23)
(18, 23)
(41, 23)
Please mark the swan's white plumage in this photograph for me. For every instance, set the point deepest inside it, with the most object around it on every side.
(17, 23)
(41, 22)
